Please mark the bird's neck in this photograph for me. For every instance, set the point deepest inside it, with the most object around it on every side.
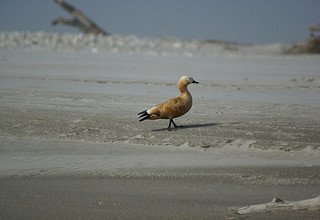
(184, 90)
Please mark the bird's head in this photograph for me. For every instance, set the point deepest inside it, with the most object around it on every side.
(187, 80)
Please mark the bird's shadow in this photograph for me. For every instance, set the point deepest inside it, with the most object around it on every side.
(189, 126)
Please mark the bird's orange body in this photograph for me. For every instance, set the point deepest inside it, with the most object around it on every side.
(174, 107)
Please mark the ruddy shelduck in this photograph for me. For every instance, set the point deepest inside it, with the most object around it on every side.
(174, 107)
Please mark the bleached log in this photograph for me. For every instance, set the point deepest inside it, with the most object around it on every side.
(314, 28)
(279, 204)
(79, 20)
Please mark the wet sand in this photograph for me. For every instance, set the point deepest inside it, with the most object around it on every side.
(72, 146)
(105, 197)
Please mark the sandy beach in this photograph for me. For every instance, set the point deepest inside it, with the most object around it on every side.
(72, 146)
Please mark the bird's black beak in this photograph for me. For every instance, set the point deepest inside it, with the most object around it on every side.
(195, 82)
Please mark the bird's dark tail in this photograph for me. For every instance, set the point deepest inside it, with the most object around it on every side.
(143, 115)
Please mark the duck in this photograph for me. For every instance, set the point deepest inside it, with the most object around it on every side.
(174, 107)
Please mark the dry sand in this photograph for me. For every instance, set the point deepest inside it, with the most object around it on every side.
(68, 127)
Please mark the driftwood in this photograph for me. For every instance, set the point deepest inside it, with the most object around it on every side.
(311, 46)
(314, 28)
(279, 204)
(79, 20)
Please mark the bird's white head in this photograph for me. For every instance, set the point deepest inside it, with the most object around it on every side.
(187, 80)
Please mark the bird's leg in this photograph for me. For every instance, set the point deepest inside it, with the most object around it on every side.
(174, 124)
(171, 122)
(169, 127)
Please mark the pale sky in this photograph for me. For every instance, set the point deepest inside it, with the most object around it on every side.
(248, 21)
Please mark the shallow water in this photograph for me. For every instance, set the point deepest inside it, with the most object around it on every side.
(279, 79)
